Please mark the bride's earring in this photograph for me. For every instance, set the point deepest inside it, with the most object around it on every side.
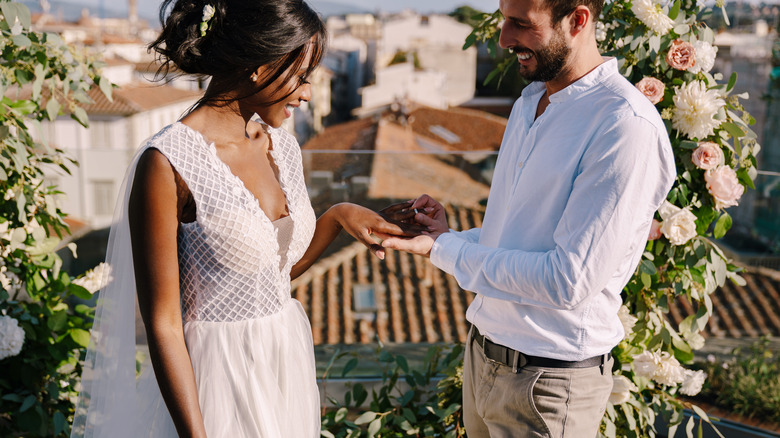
(253, 78)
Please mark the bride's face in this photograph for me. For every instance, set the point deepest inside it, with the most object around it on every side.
(293, 89)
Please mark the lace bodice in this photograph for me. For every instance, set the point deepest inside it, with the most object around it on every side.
(229, 263)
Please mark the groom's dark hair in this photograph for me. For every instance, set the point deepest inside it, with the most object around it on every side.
(561, 8)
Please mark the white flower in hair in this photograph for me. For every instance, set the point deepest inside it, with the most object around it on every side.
(205, 23)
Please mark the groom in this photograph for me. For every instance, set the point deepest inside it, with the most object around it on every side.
(584, 164)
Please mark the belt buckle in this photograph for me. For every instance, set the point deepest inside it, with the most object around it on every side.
(519, 361)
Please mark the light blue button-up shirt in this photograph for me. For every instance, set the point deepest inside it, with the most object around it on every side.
(567, 220)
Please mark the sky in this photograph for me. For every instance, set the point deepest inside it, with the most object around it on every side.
(419, 5)
(149, 8)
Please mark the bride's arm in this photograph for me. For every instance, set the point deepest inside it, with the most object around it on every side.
(358, 221)
(154, 220)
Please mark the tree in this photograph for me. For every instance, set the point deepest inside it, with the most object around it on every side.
(42, 338)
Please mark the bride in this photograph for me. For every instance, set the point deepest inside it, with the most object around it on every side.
(214, 221)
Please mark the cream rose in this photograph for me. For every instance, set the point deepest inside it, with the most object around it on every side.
(692, 382)
(681, 55)
(669, 371)
(627, 320)
(679, 224)
(724, 186)
(708, 155)
(652, 88)
(621, 389)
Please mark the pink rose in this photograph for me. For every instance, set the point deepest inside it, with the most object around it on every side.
(652, 88)
(681, 55)
(655, 230)
(724, 186)
(707, 156)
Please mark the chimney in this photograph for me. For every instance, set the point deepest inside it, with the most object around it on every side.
(132, 12)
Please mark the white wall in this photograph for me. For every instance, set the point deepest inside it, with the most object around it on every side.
(104, 152)
(401, 81)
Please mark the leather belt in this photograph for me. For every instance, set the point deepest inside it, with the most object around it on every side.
(517, 360)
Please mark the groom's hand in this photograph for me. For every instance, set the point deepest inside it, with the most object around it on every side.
(427, 212)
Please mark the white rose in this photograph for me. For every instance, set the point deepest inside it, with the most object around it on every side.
(621, 389)
(692, 382)
(627, 320)
(679, 227)
(705, 57)
(11, 337)
(669, 371)
(645, 364)
(95, 279)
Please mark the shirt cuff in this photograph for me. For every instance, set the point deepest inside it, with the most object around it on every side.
(445, 252)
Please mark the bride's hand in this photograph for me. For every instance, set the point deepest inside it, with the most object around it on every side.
(403, 212)
(362, 223)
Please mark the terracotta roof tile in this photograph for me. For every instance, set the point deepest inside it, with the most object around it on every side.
(746, 311)
(474, 129)
(134, 98)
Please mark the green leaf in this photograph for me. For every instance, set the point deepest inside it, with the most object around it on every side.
(58, 321)
(80, 116)
(14, 10)
(647, 267)
(732, 82)
(401, 361)
(80, 336)
(21, 41)
(105, 87)
(79, 292)
(28, 403)
(349, 366)
(733, 130)
(341, 414)
(374, 427)
(367, 417)
(675, 10)
(687, 144)
(722, 226)
(52, 108)
(59, 422)
(470, 40)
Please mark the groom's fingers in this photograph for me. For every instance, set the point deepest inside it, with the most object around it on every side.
(416, 245)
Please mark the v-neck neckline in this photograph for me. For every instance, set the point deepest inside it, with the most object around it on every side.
(238, 182)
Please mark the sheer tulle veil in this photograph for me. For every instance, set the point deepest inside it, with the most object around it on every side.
(107, 400)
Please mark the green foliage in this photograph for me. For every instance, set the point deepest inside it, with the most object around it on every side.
(409, 402)
(748, 384)
(40, 78)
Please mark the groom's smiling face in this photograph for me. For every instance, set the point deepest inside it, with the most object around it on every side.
(539, 44)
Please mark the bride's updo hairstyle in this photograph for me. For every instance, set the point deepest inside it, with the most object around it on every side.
(239, 37)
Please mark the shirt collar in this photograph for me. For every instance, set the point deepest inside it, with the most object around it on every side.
(587, 82)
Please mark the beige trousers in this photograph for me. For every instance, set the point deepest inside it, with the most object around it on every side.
(535, 402)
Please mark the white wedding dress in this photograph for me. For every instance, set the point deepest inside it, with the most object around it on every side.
(249, 342)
